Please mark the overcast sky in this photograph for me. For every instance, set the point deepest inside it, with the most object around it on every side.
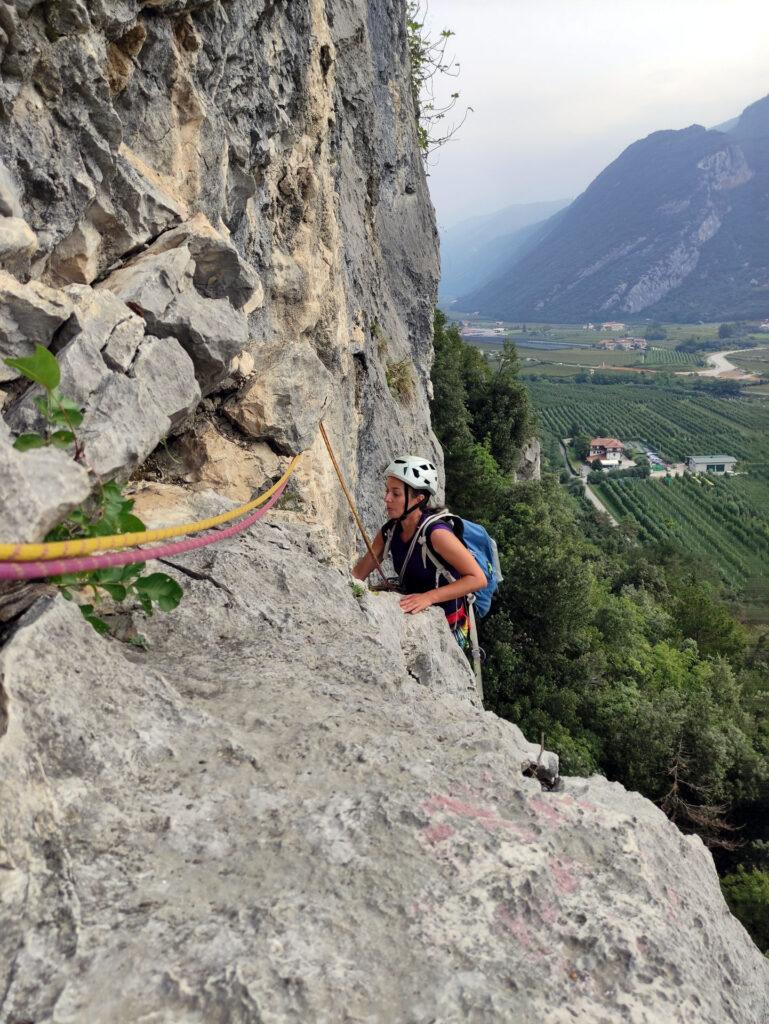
(560, 87)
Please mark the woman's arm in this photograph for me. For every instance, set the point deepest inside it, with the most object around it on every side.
(455, 554)
(366, 565)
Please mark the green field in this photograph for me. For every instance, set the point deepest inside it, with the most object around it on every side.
(674, 421)
(756, 361)
(722, 521)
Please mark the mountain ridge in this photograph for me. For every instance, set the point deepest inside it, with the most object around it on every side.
(670, 230)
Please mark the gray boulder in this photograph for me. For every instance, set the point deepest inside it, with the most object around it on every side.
(127, 416)
(219, 272)
(38, 487)
(176, 291)
(134, 389)
(29, 314)
(285, 398)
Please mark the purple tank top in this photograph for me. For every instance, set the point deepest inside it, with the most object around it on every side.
(419, 578)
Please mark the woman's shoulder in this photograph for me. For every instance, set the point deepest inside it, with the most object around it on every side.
(442, 521)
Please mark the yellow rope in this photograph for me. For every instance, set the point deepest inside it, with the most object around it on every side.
(84, 546)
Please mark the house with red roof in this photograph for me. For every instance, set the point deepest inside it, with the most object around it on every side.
(607, 449)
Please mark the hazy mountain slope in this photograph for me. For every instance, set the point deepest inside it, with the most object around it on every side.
(480, 248)
(675, 228)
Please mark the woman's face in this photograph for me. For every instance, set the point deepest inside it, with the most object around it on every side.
(395, 497)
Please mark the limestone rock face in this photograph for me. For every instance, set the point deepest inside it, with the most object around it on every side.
(17, 239)
(291, 807)
(530, 465)
(246, 175)
(285, 400)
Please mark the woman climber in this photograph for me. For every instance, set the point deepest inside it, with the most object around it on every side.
(410, 483)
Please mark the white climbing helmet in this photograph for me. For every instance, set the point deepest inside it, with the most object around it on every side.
(416, 471)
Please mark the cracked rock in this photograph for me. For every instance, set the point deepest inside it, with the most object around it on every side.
(285, 399)
(39, 488)
(29, 314)
(163, 285)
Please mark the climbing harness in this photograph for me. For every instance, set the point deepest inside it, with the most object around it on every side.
(84, 546)
(58, 567)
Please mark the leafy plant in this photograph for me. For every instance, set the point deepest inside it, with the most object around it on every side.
(399, 379)
(110, 513)
(429, 61)
(62, 416)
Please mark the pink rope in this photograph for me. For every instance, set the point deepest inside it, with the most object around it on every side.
(40, 570)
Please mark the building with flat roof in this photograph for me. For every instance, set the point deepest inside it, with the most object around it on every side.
(710, 463)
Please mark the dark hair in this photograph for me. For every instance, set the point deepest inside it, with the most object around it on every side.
(416, 492)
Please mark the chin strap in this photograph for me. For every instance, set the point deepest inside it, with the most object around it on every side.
(413, 508)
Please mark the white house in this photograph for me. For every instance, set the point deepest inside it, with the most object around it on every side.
(710, 463)
(607, 449)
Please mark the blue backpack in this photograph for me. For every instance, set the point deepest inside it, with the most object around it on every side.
(478, 542)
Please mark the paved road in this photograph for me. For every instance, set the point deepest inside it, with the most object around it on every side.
(590, 494)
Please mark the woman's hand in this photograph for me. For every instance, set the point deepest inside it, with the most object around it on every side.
(413, 603)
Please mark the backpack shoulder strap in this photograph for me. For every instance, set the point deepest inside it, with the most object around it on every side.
(428, 551)
(388, 532)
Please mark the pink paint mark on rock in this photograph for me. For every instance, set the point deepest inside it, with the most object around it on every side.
(564, 876)
(549, 811)
(586, 805)
(674, 902)
(487, 817)
(515, 924)
(437, 833)
(548, 913)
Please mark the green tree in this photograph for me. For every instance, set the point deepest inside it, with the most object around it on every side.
(581, 445)
(747, 893)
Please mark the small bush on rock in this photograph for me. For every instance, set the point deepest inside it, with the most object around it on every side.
(110, 512)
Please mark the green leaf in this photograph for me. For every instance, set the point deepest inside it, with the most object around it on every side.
(67, 579)
(129, 523)
(26, 441)
(160, 588)
(62, 438)
(114, 575)
(145, 602)
(115, 591)
(139, 641)
(66, 419)
(41, 367)
(98, 624)
(132, 571)
(41, 404)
